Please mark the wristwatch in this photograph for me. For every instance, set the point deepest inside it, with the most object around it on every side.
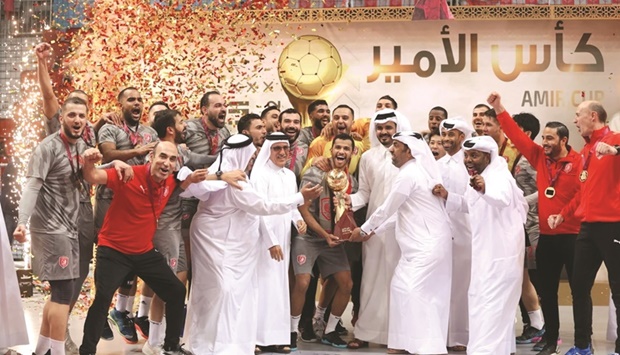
(219, 174)
(363, 234)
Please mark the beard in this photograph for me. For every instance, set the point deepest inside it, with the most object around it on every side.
(214, 121)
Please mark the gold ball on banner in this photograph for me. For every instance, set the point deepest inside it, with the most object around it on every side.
(309, 67)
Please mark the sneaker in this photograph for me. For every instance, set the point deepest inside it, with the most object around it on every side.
(149, 349)
(176, 350)
(550, 349)
(308, 335)
(70, 347)
(577, 351)
(293, 341)
(530, 335)
(142, 326)
(107, 333)
(341, 329)
(318, 326)
(125, 326)
(334, 340)
(541, 344)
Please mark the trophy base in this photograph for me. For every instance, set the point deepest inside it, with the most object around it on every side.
(344, 226)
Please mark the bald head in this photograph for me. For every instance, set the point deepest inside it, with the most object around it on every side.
(590, 116)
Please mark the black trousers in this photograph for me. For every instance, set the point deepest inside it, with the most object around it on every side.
(596, 243)
(553, 253)
(112, 268)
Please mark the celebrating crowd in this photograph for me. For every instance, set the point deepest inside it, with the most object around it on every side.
(452, 229)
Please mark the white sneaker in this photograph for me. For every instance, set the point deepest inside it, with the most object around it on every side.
(70, 347)
(318, 326)
(149, 349)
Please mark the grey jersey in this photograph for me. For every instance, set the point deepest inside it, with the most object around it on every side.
(113, 134)
(321, 208)
(197, 141)
(56, 209)
(305, 136)
(525, 176)
(299, 154)
(88, 136)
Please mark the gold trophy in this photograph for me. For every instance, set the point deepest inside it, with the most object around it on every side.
(344, 223)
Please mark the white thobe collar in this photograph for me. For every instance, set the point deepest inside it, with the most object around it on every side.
(458, 157)
(274, 168)
(407, 164)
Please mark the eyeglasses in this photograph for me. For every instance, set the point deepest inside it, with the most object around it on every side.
(280, 148)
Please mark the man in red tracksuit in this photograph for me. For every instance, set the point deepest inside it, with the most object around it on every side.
(597, 205)
(558, 167)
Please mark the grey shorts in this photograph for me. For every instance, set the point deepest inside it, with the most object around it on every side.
(182, 264)
(168, 243)
(188, 208)
(305, 253)
(55, 256)
(101, 208)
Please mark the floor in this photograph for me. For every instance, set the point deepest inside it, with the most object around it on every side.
(33, 307)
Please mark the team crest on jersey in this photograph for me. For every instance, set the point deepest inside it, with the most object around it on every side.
(173, 262)
(166, 191)
(301, 259)
(147, 138)
(568, 167)
(185, 216)
(63, 261)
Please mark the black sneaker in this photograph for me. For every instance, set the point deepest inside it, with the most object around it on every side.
(49, 352)
(341, 329)
(175, 350)
(293, 341)
(307, 335)
(334, 340)
(530, 335)
(107, 333)
(142, 326)
(550, 349)
(540, 345)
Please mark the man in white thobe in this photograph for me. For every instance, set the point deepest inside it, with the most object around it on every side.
(14, 331)
(222, 311)
(379, 255)
(497, 211)
(420, 288)
(271, 179)
(455, 179)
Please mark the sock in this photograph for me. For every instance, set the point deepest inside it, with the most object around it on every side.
(130, 301)
(145, 305)
(43, 345)
(295, 323)
(154, 333)
(58, 347)
(121, 302)
(536, 319)
(319, 313)
(331, 323)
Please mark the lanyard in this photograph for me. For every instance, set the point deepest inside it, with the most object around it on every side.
(151, 192)
(212, 136)
(555, 177)
(293, 157)
(78, 183)
(134, 137)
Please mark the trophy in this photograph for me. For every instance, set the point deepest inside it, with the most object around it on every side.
(344, 223)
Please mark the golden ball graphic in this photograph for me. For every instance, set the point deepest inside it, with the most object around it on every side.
(309, 67)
